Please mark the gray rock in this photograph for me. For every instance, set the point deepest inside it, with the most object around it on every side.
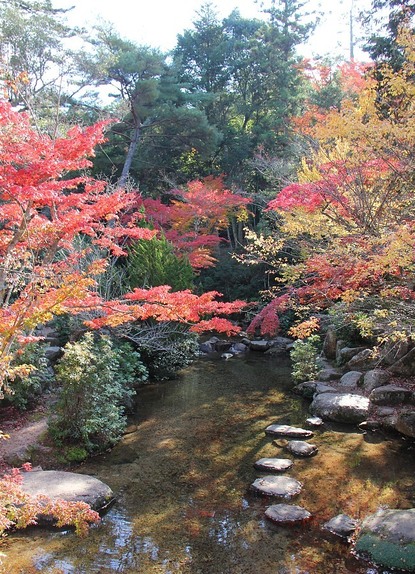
(375, 378)
(387, 539)
(279, 346)
(341, 525)
(301, 448)
(363, 361)
(340, 407)
(405, 366)
(351, 379)
(329, 374)
(259, 345)
(69, 486)
(346, 353)
(288, 431)
(330, 343)
(226, 356)
(287, 513)
(405, 423)
(207, 348)
(311, 388)
(395, 351)
(222, 346)
(53, 353)
(282, 486)
(314, 421)
(273, 464)
(238, 348)
(390, 395)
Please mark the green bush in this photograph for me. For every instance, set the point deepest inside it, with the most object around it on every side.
(304, 356)
(153, 262)
(26, 390)
(97, 378)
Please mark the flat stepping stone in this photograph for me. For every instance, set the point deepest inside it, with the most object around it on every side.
(287, 513)
(286, 430)
(69, 486)
(301, 448)
(273, 464)
(282, 486)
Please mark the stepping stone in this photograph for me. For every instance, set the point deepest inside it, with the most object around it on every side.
(341, 525)
(273, 464)
(282, 486)
(69, 486)
(287, 513)
(285, 430)
(301, 448)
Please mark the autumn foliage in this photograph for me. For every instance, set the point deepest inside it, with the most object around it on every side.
(194, 216)
(44, 209)
(351, 210)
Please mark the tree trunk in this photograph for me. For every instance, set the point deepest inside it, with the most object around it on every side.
(130, 154)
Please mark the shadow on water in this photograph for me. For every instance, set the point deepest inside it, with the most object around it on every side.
(182, 481)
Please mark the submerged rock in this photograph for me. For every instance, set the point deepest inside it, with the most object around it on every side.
(341, 525)
(314, 421)
(286, 430)
(340, 407)
(387, 539)
(273, 464)
(68, 486)
(282, 486)
(287, 513)
(301, 448)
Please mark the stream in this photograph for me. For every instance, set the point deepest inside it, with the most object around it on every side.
(182, 483)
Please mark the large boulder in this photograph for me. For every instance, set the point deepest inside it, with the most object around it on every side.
(405, 366)
(375, 378)
(279, 346)
(387, 539)
(344, 354)
(390, 395)
(363, 361)
(340, 407)
(405, 423)
(330, 343)
(260, 345)
(351, 379)
(68, 486)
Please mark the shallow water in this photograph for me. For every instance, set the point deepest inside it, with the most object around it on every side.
(182, 482)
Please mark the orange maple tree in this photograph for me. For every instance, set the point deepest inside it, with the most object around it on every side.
(195, 215)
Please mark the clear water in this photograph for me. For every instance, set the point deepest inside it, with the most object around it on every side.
(182, 481)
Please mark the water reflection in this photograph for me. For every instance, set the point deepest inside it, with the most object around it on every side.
(182, 479)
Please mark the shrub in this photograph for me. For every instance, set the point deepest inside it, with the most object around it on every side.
(153, 262)
(27, 389)
(304, 356)
(97, 378)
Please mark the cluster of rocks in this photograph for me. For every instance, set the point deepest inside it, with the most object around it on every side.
(355, 387)
(228, 349)
(386, 538)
